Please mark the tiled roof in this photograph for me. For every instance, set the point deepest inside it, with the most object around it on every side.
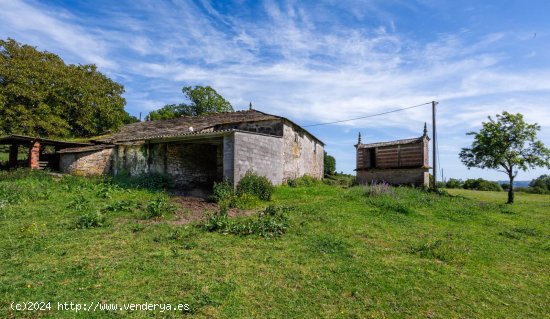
(397, 142)
(190, 125)
(22, 139)
(184, 125)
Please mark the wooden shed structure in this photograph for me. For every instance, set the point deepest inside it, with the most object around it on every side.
(40, 153)
(401, 162)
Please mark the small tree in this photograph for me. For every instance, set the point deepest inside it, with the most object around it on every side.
(506, 144)
(330, 165)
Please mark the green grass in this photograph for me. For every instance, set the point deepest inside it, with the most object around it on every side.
(344, 255)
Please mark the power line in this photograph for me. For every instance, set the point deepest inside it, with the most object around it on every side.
(367, 116)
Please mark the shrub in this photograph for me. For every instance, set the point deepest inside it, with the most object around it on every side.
(482, 185)
(454, 183)
(158, 207)
(91, 220)
(304, 181)
(254, 184)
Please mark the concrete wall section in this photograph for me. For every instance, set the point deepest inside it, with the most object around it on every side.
(261, 154)
(400, 176)
(91, 163)
(229, 158)
(303, 155)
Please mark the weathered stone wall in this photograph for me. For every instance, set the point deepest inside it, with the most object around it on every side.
(261, 154)
(131, 159)
(91, 163)
(303, 155)
(398, 176)
(192, 165)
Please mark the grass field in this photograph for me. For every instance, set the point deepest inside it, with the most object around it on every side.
(410, 254)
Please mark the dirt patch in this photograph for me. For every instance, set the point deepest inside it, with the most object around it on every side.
(192, 209)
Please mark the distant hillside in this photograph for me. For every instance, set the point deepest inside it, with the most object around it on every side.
(516, 183)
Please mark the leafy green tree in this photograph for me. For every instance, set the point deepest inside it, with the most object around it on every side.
(202, 100)
(506, 144)
(41, 95)
(330, 165)
(540, 185)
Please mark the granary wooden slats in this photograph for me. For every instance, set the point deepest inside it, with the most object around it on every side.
(408, 153)
(401, 162)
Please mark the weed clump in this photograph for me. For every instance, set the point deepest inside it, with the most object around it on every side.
(91, 220)
(269, 223)
(158, 207)
(120, 206)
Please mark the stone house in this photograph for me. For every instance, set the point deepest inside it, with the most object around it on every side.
(198, 151)
(401, 162)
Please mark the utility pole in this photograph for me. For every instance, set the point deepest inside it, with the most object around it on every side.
(434, 143)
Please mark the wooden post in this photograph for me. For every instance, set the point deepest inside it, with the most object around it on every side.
(13, 155)
(434, 143)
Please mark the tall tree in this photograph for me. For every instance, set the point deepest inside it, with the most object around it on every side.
(41, 95)
(202, 100)
(506, 144)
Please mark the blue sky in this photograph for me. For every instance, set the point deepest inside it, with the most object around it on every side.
(316, 61)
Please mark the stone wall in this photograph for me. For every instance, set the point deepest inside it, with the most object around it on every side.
(91, 163)
(131, 159)
(261, 154)
(192, 165)
(303, 155)
(398, 176)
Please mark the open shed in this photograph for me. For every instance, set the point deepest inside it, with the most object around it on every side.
(40, 152)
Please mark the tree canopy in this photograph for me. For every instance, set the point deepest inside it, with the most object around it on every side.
(202, 100)
(330, 164)
(41, 95)
(507, 144)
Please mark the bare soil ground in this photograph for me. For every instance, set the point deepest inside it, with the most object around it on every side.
(192, 209)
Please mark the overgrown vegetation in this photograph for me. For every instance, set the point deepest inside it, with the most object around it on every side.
(393, 252)
(269, 223)
(482, 185)
(256, 185)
